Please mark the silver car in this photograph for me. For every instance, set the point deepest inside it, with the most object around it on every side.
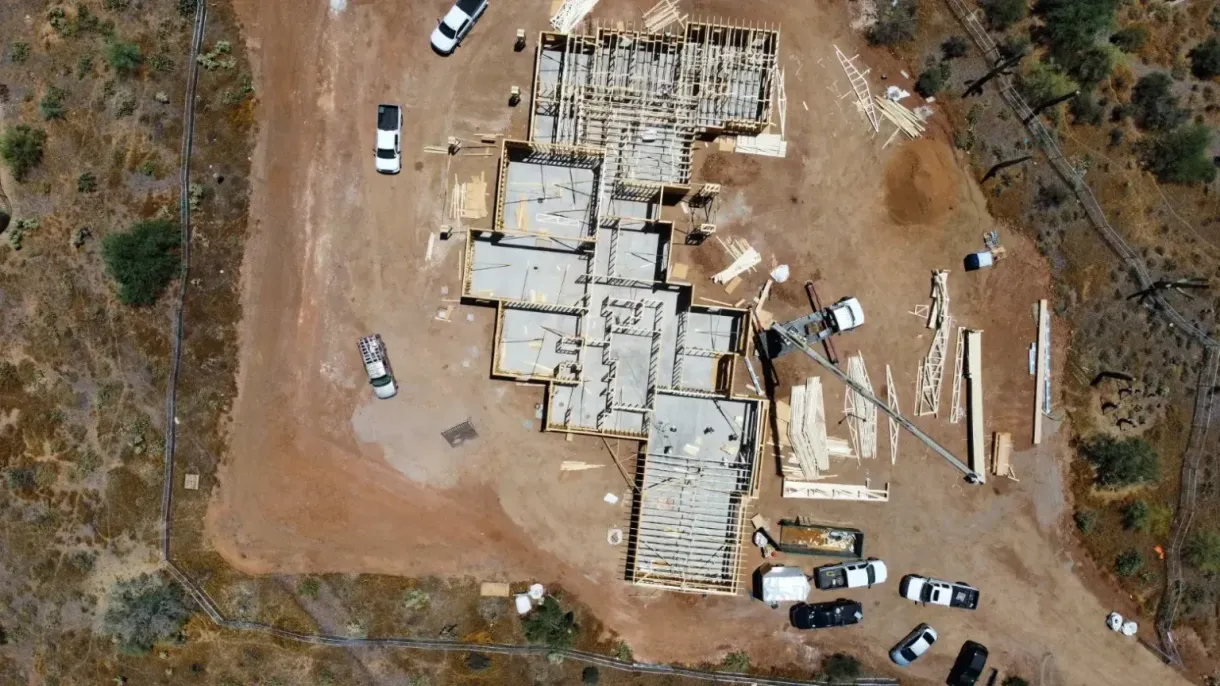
(913, 646)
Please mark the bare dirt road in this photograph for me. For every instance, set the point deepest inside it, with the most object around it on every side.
(320, 477)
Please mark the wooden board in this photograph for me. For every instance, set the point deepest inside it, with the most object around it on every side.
(974, 412)
(1040, 376)
(1003, 454)
(494, 589)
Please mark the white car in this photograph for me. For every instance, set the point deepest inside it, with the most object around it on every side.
(456, 24)
(915, 644)
(389, 139)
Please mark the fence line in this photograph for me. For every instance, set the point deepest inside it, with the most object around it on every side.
(1204, 397)
(212, 609)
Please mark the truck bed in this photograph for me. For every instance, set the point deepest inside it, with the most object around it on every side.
(387, 117)
(829, 578)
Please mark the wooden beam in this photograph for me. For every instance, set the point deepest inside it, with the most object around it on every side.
(1040, 377)
(974, 372)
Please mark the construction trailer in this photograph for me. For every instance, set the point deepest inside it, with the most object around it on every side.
(577, 264)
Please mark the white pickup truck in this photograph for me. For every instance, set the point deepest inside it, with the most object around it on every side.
(924, 590)
(456, 23)
(377, 366)
(850, 574)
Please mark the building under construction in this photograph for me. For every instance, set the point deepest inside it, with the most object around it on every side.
(577, 263)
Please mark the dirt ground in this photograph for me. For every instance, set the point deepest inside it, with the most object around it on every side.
(323, 478)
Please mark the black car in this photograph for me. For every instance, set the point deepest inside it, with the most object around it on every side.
(969, 666)
(841, 612)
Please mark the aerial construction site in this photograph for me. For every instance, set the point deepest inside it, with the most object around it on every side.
(673, 302)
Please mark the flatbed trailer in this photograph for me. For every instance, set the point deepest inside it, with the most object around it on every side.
(797, 538)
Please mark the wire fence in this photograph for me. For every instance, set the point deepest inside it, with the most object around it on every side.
(212, 609)
(1204, 397)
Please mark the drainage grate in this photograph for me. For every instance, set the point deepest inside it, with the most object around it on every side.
(460, 433)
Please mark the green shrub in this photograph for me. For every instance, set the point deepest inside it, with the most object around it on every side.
(86, 183)
(142, 260)
(933, 79)
(1202, 550)
(1181, 156)
(1123, 463)
(1012, 46)
(590, 676)
(219, 57)
(954, 47)
(1135, 515)
(896, 23)
(309, 587)
(1004, 13)
(21, 147)
(736, 662)
(622, 652)
(161, 62)
(1154, 105)
(124, 58)
(58, 19)
(145, 610)
(1085, 109)
(1205, 58)
(21, 479)
(1130, 39)
(841, 667)
(1094, 64)
(187, 7)
(550, 625)
(1129, 563)
(1070, 26)
(19, 53)
(84, 66)
(1041, 81)
(1085, 520)
(16, 234)
(148, 167)
(52, 104)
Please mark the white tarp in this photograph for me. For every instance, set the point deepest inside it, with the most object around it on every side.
(785, 585)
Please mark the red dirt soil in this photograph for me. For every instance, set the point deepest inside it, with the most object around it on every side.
(921, 183)
(321, 477)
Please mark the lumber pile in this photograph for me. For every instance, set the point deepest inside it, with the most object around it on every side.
(571, 13)
(745, 258)
(1001, 463)
(662, 15)
(861, 414)
(974, 413)
(907, 121)
(932, 368)
(767, 144)
(807, 428)
(891, 398)
(824, 491)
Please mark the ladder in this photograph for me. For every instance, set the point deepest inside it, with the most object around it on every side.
(860, 85)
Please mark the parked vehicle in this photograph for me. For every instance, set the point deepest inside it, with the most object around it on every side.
(456, 23)
(850, 574)
(841, 612)
(971, 662)
(914, 645)
(819, 539)
(936, 592)
(377, 366)
(389, 139)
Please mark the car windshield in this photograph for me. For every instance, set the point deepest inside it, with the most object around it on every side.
(382, 381)
(446, 31)
(929, 638)
(385, 153)
(908, 654)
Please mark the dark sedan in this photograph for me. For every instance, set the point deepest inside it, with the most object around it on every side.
(841, 612)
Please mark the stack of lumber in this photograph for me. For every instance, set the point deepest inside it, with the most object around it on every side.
(906, 120)
(745, 258)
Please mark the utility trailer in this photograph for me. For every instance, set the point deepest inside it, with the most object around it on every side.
(797, 538)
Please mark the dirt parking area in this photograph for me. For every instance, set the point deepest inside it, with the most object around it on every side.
(323, 478)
